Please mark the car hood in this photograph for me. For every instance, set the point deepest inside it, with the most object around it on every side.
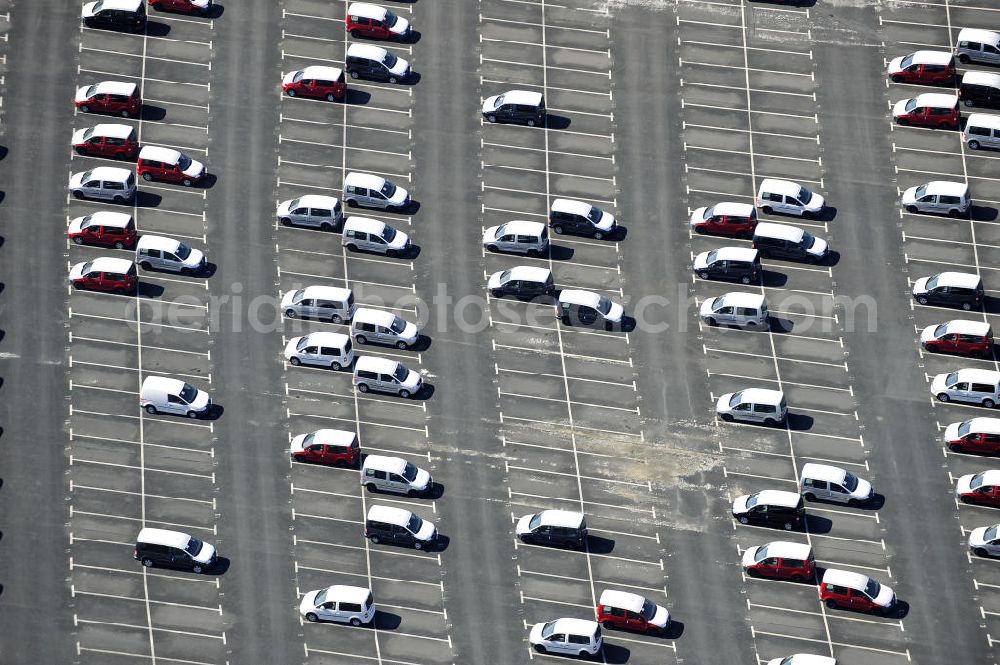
(661, 618)
(195, 170)
(490, 234)
(75, 225)
(401, 67)
(927, 334)
(422, 481)
(938, 385)
(409, 334)
(615, 314)
(722, 404)
(201, 401)
(899, 108)
(951, 432)
(81, 94)
(535, 636)
(284, 207)
(308, 602)
(206, 555)
(289, 78)
(701, 261)
(816, 203)
(522, 525)
(895, 65)
(88, 9)
(698, 216)
(286, 299)
(886, 596)
(202, 4)
(819, 247)
(296, 444)
(76, 271)
(78, 136)
(964, 484)
(402, 26)
(490, 103)
(706, 307)
(194, 259)
(426, 532)
(607, 222)
(978, 536)
(412, 381)
(909, 196)
(863, 491)
(76, 180)
(400, 196)
(749, 556)
(400, 241)
(494, 280)
(292, 346)
(740, 504)
(920, 286)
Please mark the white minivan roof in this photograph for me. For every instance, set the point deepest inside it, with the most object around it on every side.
(111, 264)
(370, 51)
(985, 425)
(632, 602)
(572, 206)
(524, 227)
(779, 498)
(845, 578)
(948, 188)
(109, 218)
(160, 154)
(365, 224)
(379, 317)
(389, 515)
(530, 273)
(579, 297)
(776, 186)
(965, 280)
(113, 130)
(162, 383)
(988, 120)
(830, 474)
(762, 396)
(782, 231)
(564, 518)
(326, 293)
(525, 97)
(789, 550)
(981, 78)
(348, 594)
(977, 35)
(736, 254)
(375, 364)
(731, 209)
(976, 375)
(384, 463)
(163, 537)
(968, 327)
(936, 100)
(325, 338)
(743, 299)
(366, 10)
(932, 57)
(317, 201)
(575, 626)
(157, 242)
(112, 173)
(322, 72)
(367, 180)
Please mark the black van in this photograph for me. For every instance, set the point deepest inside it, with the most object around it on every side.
(518, 106)
(953, 289)
(562, 528)
(173, 549)
(737, 264)
(521, 282)
(396, 526)
(115, 14)
(368, 61)
(781, 241)
(770, 508)
(980, 89)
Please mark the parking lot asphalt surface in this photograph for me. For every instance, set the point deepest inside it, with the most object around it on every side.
(654, 109)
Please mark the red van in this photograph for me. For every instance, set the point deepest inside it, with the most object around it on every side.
(930, 109)
(109, 97)
(326, 446)
(923, 67)
(169, 165)
(108, 229)
(781, 560)
(105, 274)
(376, 22)
(978, 435)
(196, 7)
(982, 489)
(629, 611)
(854, 591)
(106, 141)
(726, 219)
(967, 338)
(315, 81)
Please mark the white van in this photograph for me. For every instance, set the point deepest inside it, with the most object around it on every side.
(754, 405)
(340, 603)
(324, 212)
(381, 327)
(397, 526)
(160, 253)
(385, 376)
(518, 237)
(982, 130)
(173, 549)
(574, 637)
(326, 349)
(372, 191)
(394, 474)
(588, 308)
(319, 302)
(789, 198)
(371, 235)
(940, 197)
(160, 394)
(975, 45)
(831, 483)
(108, 183)
(744, 310)
(978, 386)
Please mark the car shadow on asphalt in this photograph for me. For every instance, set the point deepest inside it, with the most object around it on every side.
(799, 422)
(356, 97)
(817, 524)
(148, 112)
(982, 214)
(221, 566)
(773, 280)
(145, 199)
(147, 290)
(599, 545)
(157, 29)
(385, 620)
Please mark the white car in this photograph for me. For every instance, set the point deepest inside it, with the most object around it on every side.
(939, 197)
(341, 603)
(985, 541)
(577, 637)
(803, 659)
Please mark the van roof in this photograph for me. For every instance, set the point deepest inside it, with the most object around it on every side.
(111, 264)
(127, 5)
(947, 188)
(789, 550)
(981, 78)
(968, 327)
(366, 10)
(967, 280)
(163, 537)
(156, 242)
(779, 498)
(367, 180)
(366, 224)
(974, 374)
(389, 515)
(115, 88)
(369, 51)
(845, 578)
(777, 186)
(572, 206)
(160, 154)
(530, 273)
(989, 120)
(334, 437)
(632, 602)
(735, 209)
(377, 316)
(736, 254)
(348, 594)
(810, 659)
(523, 226)
(108, 218)
(932, 57)
(579, 297)
(110, 173)
(575, 626)
(114, 130)
(830, 474)
(762, 396)
(525, 97)
(985, 425)
(323, 337)
(163, 383)
(978, 35)
(743, 299)
(782, 231)
(322, 72)
(326, 292)
(375, 364)
(385, 463)
(565, 518)
(936, 99)
(317, 201)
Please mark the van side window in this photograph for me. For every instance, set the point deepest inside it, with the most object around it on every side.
(329, 351)
(979, 131)
(174, 399)
(617, 612)
(766, 408)
(990, 49)
(111, 184)
(365, 374)
(983, 388)
(579, 639)
(350, 607)
(375, 473)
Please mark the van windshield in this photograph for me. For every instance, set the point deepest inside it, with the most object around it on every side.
(303, 343)
(293, 204)
(88, 133)
(991, 533)
(911, 104)
(710, 259)
(86, 221)
(603, 305)
(850, 482)
(410, 472)
(977, 481)
(941, 329)
(183, 251)
(951, 379)
(805, 196)
(709, 212)
(389, 60)
(932, 282)
(91, 91)
(963, 428)
(595, 214)
(388, 189)
(188, 393)
(388, 233)
(193, 547)
(505, 277)
(184, 162)
(297, 77)
(752, 500)
(87, 175)
(906, 62)
(308, 440)
(501, 230)
(735, 399)
(648, 610)
(921, 190)
(86, 267)
(400, 373)
(398, 325)
(413, 526)
(320, 598)
(535, 521)
(807, 240)
(872, 588)
(390, 18)
(297, 296)
(761, 554)
(548, 628)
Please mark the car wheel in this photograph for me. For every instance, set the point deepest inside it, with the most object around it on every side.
(492, 248)
(964, 59)
(119, 199)
(197, 569)
(354, 75)
(295, 361)
(417, 545)
(363, 387)
(335, 366)
(930, 348)
(752, 572)
(353, 203)
(290, 92)
(745, 279)
(902, 121)
(391, 253)
(145, 265)
(147, 177)
(797, 578)
(943, 397)
(393, 80)
(879, 611)
(922, 300)
(767, 210)
(355, 621)
(744, 520)
(966, 306)
(330, 97)
(150, 409)
(311, 617)
(704, 274)
(988, 403)
(770, 422)
(376, 540)
(192, 414)
(700, 230)
(896, 78)
(955, 447)
(118, 244)
(371, 487)
(79, 241)
(496, 294)
(853, 503)
(787, 526)
(77, 194)
(728, 417)
(491, 119)
(286, 221)
(831, 603)
(401, 345)
(84, 109)
(404, 393)
(326, 226)
(806, 214)
(335, 318)
(558, 229)
(973, 145)
(540, 648)
(583, 653)
(969, 102)
(351, 247)
(186, 182)
(653, 632)
(598, 235)
(912, 209)
(608, 625)
(148, 563)
(711, 321)
(356, 34)
(966, 499)
(979, 551)
(290, 313)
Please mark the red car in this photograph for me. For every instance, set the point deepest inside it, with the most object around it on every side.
(726, 219)
(108, 229)
(930, 109)
(967, 338)
(113, 97)
(982, 489)
(376, 22)
(978, 435)
(326, 446)
(196, 7)
(781, 560)
(105, 274)
(106, 141)
(168, 165)
(923, 67)
(854, 591)
(629, 611)
(315, 81)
